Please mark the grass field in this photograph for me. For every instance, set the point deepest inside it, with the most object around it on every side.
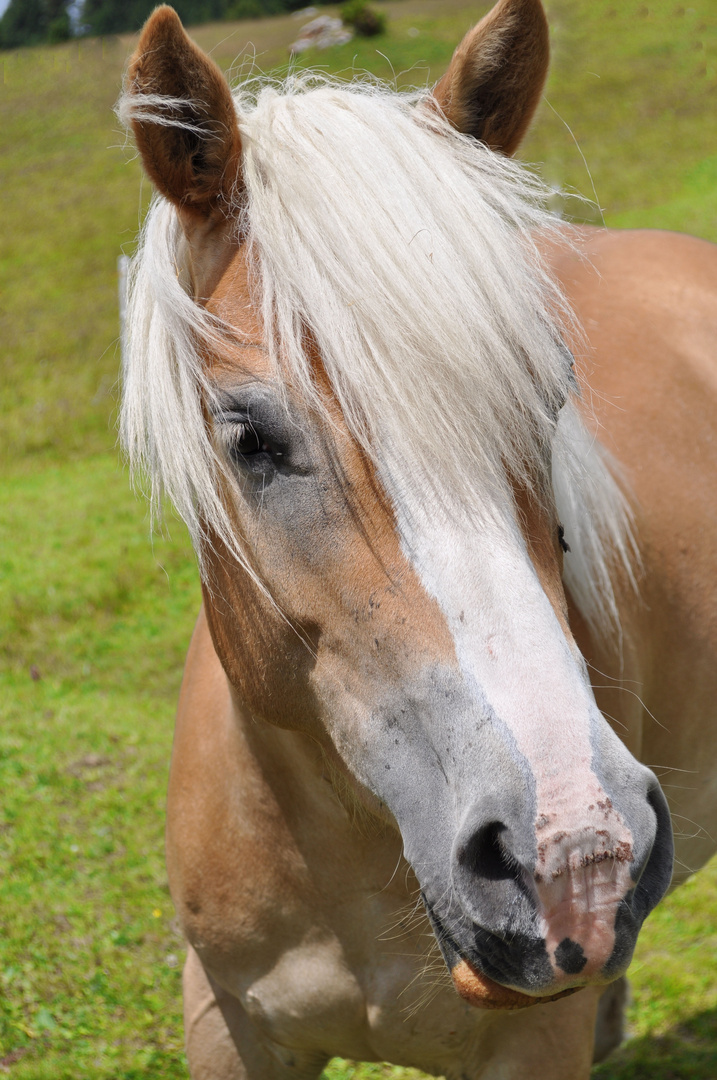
(95, 617)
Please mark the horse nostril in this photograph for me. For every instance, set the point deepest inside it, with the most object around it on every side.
(656, 875)
(491, 884)
(486, 855)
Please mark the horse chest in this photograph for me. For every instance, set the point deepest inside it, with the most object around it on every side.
(313, 1001)
(311, 947)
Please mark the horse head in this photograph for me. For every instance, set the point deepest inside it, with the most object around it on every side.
(346, 366)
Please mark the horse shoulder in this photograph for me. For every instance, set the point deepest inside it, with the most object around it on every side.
(222, 818)
(251, 819)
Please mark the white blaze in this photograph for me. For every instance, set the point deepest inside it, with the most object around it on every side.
(509, 640)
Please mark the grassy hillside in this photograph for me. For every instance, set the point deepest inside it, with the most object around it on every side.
(95, 617)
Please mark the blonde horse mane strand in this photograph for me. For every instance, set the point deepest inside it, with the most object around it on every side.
(407, 252)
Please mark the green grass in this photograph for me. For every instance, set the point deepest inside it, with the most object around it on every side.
(95, 618)
(95, 633)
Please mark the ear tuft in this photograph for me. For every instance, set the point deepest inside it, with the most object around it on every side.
(182, 114)
(497, 74)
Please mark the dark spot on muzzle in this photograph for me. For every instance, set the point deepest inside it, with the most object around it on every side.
(570, 957)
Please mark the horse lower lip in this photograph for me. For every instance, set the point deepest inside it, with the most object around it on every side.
(479, 990)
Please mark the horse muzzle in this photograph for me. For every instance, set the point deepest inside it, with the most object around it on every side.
(517, 930)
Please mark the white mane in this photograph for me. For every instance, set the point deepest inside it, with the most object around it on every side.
(407, 251)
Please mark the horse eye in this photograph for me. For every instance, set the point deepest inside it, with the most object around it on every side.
(246, 440)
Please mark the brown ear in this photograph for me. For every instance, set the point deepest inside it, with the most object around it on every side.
(190, 144)
(495, 79)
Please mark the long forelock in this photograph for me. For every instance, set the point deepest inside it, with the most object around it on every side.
(407, 253)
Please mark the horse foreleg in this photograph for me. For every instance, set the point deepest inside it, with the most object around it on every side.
(610, 1023)
(222, 1043)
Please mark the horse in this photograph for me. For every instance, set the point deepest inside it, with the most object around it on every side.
(455, 595)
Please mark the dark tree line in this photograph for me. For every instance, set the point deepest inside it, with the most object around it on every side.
(34, 22)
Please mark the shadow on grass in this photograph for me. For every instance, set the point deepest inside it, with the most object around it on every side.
(686, 1052)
